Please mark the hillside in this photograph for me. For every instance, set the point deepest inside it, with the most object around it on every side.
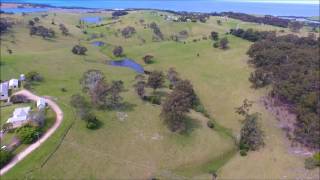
(140, 146)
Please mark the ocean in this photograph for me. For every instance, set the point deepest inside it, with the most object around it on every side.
(259, 8)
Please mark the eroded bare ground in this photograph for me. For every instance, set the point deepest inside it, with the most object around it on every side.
(286, 121)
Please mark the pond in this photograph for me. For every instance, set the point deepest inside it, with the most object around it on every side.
(91, 19)
(98, 43)
(129, 63)
(24, 10)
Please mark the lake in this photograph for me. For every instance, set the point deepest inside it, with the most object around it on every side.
(91, 20)
(276, 9)
(129, 63)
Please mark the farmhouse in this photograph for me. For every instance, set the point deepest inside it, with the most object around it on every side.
(41, 103)
(13, 83)
(4, 91)
(20, 117)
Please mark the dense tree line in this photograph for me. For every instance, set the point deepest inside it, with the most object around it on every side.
(271, 20)
(290, 64)
(119, 13)
(252, 35)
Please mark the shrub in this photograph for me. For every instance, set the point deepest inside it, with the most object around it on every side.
(5, 157)
(79, 50)
(118, 51)
(93, 123)
(210, 124)
(28, 134)
(243, 152)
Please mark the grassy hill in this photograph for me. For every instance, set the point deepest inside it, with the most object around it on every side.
(141, 146)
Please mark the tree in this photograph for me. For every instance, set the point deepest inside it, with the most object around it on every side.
(219, 22)
(174, 110)
(31, 23)
(251, 135)
(36, 19)
(90, 78)
(148, 59)
(295, 26)
(79, 50)
(98, 93)
(64, 29)
(33, 76)
(5, 25)
(139, 87)
(224, 43)
(114, 99)
(28, 134)
(39, 117)
(118, 51)
(155, 80)
(173, 77)
(128, 31)
(214, 36)
(189, 94)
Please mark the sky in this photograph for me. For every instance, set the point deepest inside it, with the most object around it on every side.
(279, 1)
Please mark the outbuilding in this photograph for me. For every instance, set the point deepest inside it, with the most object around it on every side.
(13, 83)
(41, 103)
(4, 91)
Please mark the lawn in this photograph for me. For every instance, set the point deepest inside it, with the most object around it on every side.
(141, 146)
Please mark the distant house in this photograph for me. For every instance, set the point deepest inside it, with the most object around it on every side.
(4, 91)
(13, 83)
(41, 103)
(20, 117)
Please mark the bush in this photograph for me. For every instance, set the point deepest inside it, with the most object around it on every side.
(28, 134)
(5, 157)
(79, 50)
(210, 124)
(243, 152)
(312, 162)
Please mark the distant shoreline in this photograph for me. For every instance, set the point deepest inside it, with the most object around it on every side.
(5, 5)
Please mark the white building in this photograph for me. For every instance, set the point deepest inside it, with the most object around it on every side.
(20, 117)
(13, 83)
(4, 91)
(41, 103)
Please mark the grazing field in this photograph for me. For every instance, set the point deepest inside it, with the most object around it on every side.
(141, 146)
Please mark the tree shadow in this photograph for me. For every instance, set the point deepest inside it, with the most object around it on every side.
(190, 126)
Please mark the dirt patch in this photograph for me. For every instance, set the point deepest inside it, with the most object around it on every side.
(286, 121)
